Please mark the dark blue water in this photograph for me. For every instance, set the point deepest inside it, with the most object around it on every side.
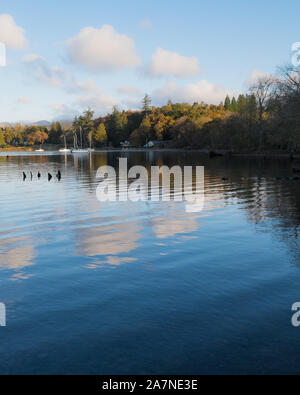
(141, 288)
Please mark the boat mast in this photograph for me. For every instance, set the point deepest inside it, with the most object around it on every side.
(80, 136)
(75, 141)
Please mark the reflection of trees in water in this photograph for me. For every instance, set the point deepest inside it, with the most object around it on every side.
(269, 202)
(251, 185)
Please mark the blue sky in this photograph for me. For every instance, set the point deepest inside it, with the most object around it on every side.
(183, 51)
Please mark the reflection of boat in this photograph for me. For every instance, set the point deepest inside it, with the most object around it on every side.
(91, 149)
(65, 149)
(80, 150)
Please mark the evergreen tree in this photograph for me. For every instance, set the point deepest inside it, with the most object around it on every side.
(227, 103)
(84, 123)
(233, 104)
(241, 104)
(146, 104)
(55, 133)
(251, 108)
(117, 123)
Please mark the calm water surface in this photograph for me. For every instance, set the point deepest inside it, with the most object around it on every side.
(120, 288)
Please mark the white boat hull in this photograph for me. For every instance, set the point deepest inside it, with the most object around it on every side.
(80, 151)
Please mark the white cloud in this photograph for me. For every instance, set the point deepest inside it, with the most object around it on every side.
(11, 35)
(57, 77)
(256, 75)
(132, 104)
(63, 112)
(24, 100)
(128, 90)
(146, 24)
(165, 63)
(53, 76)
(79, 87)
(101, 104)
(102, 49)
(31, 57)
(200, 91)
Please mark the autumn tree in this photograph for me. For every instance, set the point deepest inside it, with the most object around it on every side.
(37, 137)
(2, 139)
(145, 129)
(100, 136)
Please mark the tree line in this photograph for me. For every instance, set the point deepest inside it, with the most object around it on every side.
(267, 117)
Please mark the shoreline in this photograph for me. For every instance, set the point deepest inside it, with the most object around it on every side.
(217, 153)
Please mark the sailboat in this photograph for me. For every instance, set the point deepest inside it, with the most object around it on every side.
(77, 150)
(65, 149)
(40, 149)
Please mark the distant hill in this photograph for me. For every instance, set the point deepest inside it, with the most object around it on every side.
(47, 124)
(5, 124)
(41, 123)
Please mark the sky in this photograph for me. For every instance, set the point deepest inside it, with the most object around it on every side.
(65, 56)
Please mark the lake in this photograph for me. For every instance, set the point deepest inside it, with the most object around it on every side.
(144, 287)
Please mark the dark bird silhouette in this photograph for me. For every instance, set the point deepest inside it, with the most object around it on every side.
(49, 177)
(58, 175)
(225, 179)
(39, 175)
(24, 176)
